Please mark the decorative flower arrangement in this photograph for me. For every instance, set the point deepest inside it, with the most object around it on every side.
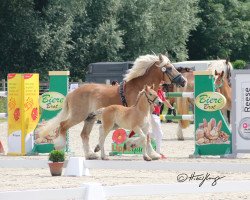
(119, 136)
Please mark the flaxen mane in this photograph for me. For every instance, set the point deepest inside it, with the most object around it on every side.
(141, 65)
(221, 65)
(139, 96)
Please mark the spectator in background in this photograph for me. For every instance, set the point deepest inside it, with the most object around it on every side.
(115, 82)
(168, 88)
(157, 133)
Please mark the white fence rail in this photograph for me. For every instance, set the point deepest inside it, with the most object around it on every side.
(95, 191)
(134, 165)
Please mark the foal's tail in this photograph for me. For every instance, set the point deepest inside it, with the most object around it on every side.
(53, 123)
(95, 115)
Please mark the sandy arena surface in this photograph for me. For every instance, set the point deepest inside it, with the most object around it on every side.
(176, 151)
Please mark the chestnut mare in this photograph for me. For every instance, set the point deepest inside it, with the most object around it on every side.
(183, 104)
(223, 86)
(131, 118)
(148, 69)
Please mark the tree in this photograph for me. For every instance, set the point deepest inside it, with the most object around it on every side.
(172, 24)
(95, 35)
(34, 36)
(17, 33)
(224, 30)
(53, 37)
(135, 21)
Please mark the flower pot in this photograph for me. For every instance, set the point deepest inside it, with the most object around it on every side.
(56, 168)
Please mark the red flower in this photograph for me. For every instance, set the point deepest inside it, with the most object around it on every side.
(119, 136)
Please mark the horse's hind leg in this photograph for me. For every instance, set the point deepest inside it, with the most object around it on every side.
(88, 125)
(182, 108)
(179, 132)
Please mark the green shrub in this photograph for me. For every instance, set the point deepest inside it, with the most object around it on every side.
(57, 156)
(239, 64)
(3, 104)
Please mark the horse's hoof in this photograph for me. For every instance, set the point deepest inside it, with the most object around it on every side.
(97, 148)
(105, 158)
(180, 138)
(156, 157)
(147, 158)
(92, 156)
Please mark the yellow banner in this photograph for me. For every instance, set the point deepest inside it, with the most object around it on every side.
(23, 112)
(14, 113)
(30, 109)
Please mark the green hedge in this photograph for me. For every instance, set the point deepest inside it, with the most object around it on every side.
(239, 64)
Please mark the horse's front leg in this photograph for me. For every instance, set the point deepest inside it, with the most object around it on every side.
(143, 141)
(150, 151)
(88, 125)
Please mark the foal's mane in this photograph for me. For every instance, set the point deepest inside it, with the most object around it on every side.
(139, 96)
(141, 65)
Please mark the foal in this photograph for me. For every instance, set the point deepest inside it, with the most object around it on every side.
(133, 118)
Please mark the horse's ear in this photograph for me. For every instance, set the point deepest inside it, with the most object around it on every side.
(218, 58)
(227, 60)
(166, 54)
(146, 88)
(153, 86)
(160, 57)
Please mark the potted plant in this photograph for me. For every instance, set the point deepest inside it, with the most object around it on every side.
(56, 161)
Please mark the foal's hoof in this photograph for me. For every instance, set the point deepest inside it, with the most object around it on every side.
(97, 148)
(156, 157)
(147, 158)
(92, 156)
(105, 158)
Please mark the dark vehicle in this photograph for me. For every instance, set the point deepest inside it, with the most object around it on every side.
(106, 72)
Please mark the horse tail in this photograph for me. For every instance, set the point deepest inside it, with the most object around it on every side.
(95, 115)
(53, 123)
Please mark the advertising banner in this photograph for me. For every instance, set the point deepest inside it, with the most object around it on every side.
(23, 112)
(241, 110)
(212, 134)
(14, 113)
(51, 104)
(30, 109)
